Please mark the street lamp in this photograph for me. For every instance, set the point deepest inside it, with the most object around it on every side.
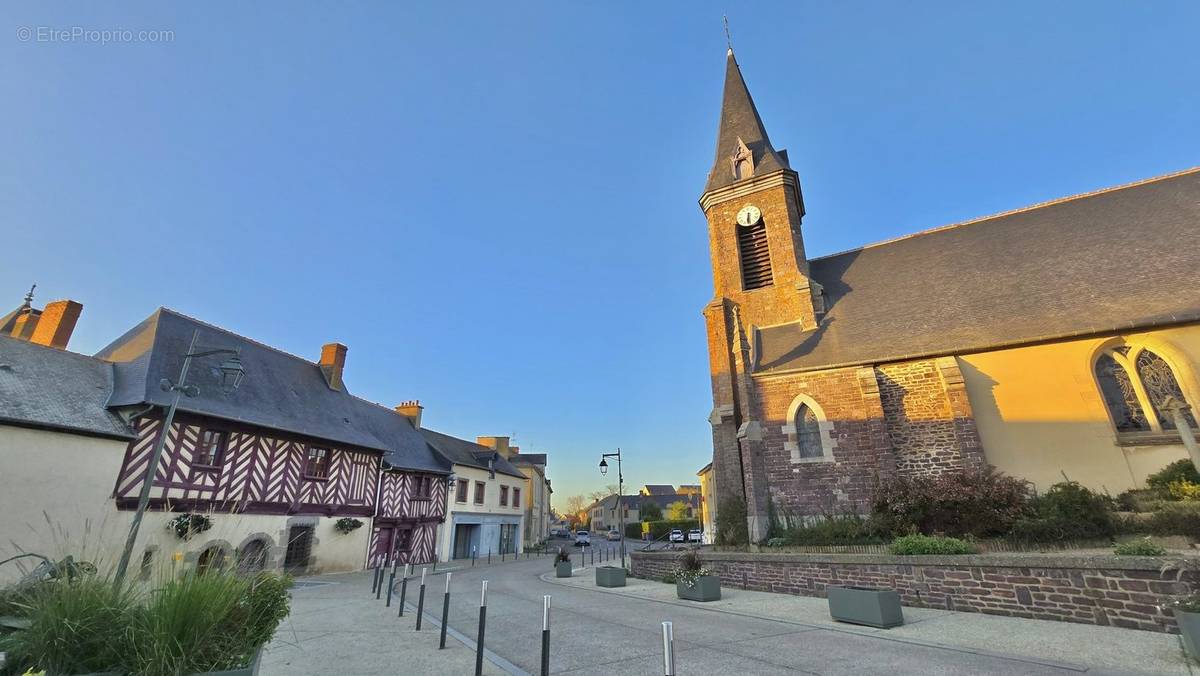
(620, 493)
(232, 373)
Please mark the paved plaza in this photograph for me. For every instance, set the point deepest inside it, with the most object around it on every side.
(339, 627)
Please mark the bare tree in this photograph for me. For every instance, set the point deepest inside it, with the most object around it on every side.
(575, 505)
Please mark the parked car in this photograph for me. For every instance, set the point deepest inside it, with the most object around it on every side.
(676, 535)
(694, 535)
(613, 534)
(583, 538)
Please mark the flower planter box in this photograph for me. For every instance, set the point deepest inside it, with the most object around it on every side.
(863, 605)
(707, 588)
(610, 576)
(562, 569)
(1189, 631)
(248, 670)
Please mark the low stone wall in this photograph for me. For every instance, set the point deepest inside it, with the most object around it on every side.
(1106, 590)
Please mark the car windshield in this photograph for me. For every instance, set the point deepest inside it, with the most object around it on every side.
(581, 532)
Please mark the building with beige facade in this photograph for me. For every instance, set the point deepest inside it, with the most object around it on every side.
(1045, 341)
(537, 495)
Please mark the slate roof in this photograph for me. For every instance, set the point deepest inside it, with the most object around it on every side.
(279, 391)
(1113, 260)
(659, 489)
(528, 459)
(468, 453)
(739, 119)
(54, 389)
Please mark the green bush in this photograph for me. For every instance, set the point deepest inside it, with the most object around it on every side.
(911, 545)
(1142, 499)
(731, 526)
(1180, 470)
(633, 531)
(192, 624)
(1142, 547)
(848, 529)
(981, 503)
(1181, 518)
(650, 511)
(1067, 511)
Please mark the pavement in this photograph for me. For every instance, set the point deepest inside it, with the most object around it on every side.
(341, 627)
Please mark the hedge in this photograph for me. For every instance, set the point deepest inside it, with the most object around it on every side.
(633, 531)
(659, 529)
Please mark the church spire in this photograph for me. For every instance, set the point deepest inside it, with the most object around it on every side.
(743, 149)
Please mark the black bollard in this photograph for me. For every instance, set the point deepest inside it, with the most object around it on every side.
(421, 601)
(489, 557)
(403, 589)
(546, 636)
(482, 624)
(391, 584)
(445, 612)
(375, 579)
(379, 587)
(472, 557)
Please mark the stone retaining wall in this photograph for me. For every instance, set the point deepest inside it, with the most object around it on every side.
(1104, 590)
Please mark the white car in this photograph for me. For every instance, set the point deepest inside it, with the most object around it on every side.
(694, 535)
(583, 538)
(676, 535)
(613, 534)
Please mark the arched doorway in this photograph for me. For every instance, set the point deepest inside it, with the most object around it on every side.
(253, 556)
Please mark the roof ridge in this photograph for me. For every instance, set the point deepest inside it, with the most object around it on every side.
(55, 349)
(285, 353)
(1011, 212)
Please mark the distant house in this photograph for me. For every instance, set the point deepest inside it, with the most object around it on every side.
(537, 494)
(657, 489)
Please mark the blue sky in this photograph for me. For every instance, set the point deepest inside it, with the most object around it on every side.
(494, 205)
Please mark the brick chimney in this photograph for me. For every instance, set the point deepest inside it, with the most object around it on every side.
(56, 324)
(333, 362)
(497, 444)
(412, 410)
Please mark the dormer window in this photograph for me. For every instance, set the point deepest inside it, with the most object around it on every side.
(742, 161)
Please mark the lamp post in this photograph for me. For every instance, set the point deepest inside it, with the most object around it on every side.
(620, 494)
(231, 377)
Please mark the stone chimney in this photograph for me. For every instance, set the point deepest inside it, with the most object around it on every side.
(56, 324)
(412, 410)
(333, 362)
(497, 444)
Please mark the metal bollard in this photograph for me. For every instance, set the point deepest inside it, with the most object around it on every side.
(435, 564)
(472, 557)
(391, 584)
(375, 579)
(421, 601)
(482, 624)
(379, 585)
(489, 557)
(668, 633)
(445, 612)
(404, 588)
(502, 553)
(546, 635)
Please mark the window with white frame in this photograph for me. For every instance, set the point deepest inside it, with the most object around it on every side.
(809, 434)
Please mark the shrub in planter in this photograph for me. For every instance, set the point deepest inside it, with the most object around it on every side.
(1142, 547)
(187, 525)
(693, 581)
(981, 503)
(911, 545)
(1180, 470)
(347, 525)
(562, 563)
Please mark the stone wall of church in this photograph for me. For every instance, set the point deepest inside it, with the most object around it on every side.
(919, 420)
(859, 445)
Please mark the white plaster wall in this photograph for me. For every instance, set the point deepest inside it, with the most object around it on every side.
(491, 505)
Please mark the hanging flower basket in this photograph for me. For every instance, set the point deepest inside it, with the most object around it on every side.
(187, 525)
(347, 525)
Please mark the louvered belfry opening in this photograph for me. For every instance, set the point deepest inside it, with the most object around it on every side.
(755, 256)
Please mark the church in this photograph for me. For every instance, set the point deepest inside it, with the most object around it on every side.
(1052, 340)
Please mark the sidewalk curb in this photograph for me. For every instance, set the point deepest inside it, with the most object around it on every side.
(878, 634)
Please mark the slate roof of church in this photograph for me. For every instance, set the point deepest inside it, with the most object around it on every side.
(1114, 260)
(279, 391)
(468, 453)
(740, 119)
(47, 388)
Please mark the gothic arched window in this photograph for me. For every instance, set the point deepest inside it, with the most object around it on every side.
(808, 433)
(1134, 382)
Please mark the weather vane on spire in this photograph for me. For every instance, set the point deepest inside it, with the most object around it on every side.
(728, 40)
(29, 296)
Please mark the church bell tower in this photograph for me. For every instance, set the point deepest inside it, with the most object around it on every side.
(754, 207)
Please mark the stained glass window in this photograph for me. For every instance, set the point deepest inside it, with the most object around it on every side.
(1160, 383)
(1119, 396)
(808, 433)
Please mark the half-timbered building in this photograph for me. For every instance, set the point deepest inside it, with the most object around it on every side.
(273, 466)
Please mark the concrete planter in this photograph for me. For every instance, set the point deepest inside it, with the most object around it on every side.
(863, 605)
(562, 569)
(1189, 631)
(707, 588)
(248, 670)
(610, 576)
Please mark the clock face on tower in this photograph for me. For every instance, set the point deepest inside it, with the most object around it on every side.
(749, 215)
